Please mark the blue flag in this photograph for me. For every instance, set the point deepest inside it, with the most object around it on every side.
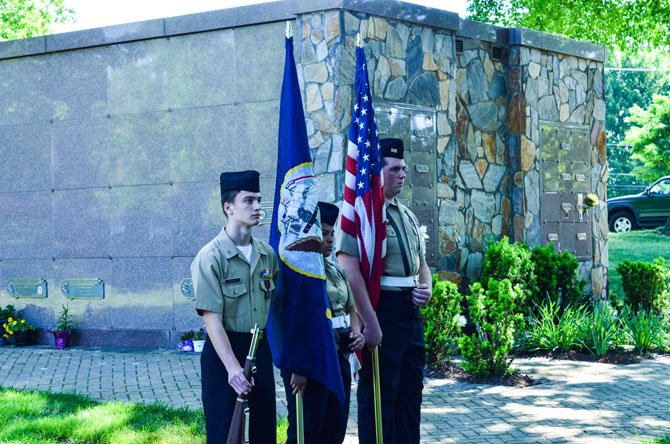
(299, 327)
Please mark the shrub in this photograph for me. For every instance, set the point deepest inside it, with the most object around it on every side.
(493, 311)
(556, 277)
(503, 260)
(645, 284)
(441, 320)
(548, 328)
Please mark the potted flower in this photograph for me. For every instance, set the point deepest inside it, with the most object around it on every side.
(63, 330)
(192, 341)
(19, 330)
(198, 340)
(186, 344)
(5, 314)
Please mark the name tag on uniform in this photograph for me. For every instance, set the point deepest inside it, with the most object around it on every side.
(232, 280)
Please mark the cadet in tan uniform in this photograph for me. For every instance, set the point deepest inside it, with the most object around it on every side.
(396, 325)
(325, 419)
(234, 279)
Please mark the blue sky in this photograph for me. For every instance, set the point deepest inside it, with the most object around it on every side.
(97, 13)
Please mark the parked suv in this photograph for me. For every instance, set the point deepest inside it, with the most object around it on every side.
(649, 209)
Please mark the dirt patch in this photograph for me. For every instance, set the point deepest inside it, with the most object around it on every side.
(620, 357)
(451, 370)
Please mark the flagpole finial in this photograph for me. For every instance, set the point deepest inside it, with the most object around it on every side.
(289, 29)
(359, 42)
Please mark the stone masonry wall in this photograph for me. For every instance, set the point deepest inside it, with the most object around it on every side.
(568, 90)
(419, 66)
(488, 123)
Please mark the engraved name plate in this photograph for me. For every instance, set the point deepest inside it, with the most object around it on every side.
(552, 237)
(27, 288)
(566, 176)
(423, 169)
(83, 288)
(581, 236)
(566, 146)
(580, 178)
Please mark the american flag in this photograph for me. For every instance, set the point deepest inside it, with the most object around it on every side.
(363, 211)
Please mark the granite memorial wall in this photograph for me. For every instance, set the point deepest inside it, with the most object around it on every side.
(112, 140)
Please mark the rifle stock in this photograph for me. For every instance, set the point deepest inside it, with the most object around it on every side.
(238, 425)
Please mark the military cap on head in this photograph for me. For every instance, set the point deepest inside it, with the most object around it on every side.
(329, 213)
(392, 148)
(240, 181)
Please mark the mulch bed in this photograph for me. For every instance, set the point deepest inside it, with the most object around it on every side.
(450, 370)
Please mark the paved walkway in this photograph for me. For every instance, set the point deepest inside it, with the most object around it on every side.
(577, 402)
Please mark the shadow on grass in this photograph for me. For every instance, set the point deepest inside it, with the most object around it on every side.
(44, 417)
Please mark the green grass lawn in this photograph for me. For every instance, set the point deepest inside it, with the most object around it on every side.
(28, 417)
(642, 245)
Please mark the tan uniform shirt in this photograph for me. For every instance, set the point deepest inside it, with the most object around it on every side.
(225, 283)
(340, 296)
(408, 227)
(338, 289)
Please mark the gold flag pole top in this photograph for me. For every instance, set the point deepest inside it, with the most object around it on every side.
(359, 42)
(289, 30)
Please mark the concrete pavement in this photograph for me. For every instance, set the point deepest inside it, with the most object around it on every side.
(577, 402)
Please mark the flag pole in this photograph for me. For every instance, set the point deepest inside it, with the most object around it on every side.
(300, 423)
(377, 395)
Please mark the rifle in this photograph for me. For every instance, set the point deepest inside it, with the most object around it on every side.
(239, 426)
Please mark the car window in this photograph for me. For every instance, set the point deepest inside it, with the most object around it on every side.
(662, 187)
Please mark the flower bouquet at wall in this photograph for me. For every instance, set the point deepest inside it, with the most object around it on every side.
(63, 330)
(192, 341)
(5, 314)
(19, 331)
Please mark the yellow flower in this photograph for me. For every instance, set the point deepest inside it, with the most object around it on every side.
(13, 323)
(23, 321)
(10, 319)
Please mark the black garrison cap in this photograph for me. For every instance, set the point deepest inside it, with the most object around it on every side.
(329, 213)
(392, 148)
(240, 181)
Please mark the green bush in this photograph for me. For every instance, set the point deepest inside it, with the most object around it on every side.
(645, 284)
(493, 311)
(556, 277)
(550, 328)
(503, 260)
(441, 320)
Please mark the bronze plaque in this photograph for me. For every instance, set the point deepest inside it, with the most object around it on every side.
(27, 287)
(83, 288)
(186, 289)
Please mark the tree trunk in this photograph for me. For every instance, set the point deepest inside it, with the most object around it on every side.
(666, 230)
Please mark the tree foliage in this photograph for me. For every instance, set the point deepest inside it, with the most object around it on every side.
(29, 18)
(625, 88)
(649, 137)
(629, 25)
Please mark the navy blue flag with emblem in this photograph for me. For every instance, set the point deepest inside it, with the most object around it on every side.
(299, 327)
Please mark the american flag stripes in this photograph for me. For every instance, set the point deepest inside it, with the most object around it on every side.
(363, 210)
